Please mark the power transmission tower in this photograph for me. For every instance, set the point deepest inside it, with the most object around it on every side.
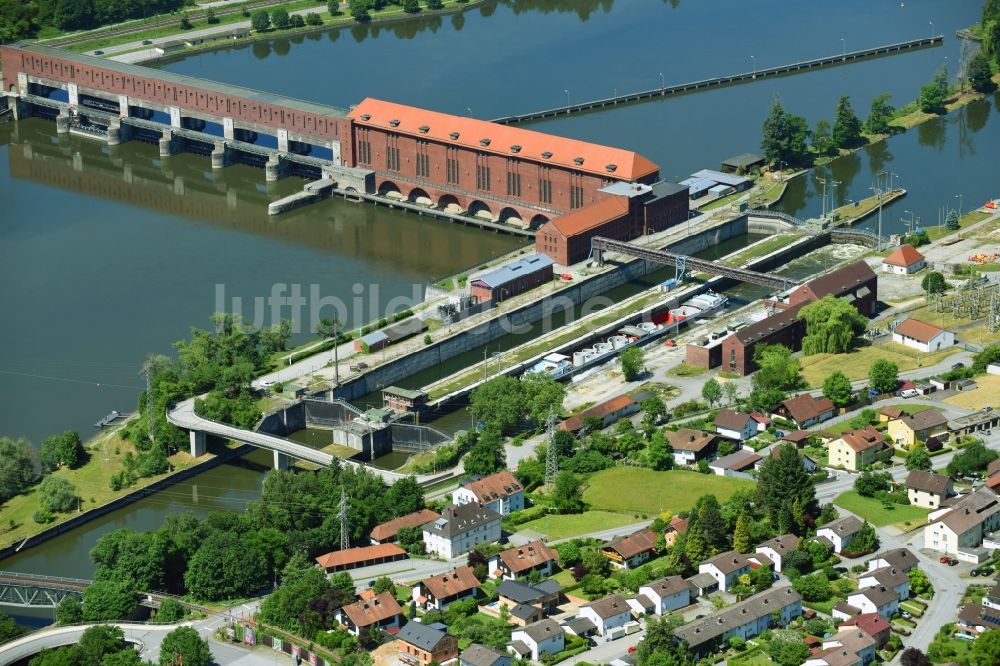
(147, 371)
(551, 456)
(342, 514)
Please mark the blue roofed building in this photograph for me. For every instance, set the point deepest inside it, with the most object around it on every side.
(512, 279)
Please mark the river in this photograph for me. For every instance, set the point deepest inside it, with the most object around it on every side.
(115, 254)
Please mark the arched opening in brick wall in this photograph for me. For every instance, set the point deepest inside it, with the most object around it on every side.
(450, 204)
(390, 190)
(509, 215)
(479, 209)
(537, 221)
(418, 195)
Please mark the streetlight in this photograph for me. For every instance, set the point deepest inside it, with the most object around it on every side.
(663, 82)
(961, 198)
(567, 96)
(932, 29)
(781, 170)
(754, 58)
(844, 42)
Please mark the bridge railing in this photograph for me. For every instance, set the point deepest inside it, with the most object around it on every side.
(13, 576)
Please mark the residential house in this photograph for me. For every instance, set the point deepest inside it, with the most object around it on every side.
(992, 598)
(746, 619)
(460, 529)
(897, 558)
(761, 420)
(909, 429)
(847, 646)
(631, 551)
(840, 532)
(380, 612)
(889, 578)
(872, 624)
(676, 526)
(726, 568)
(608, 613)
(702, 584)
(857, 449)
(441, 590)
(667, 594)
(927, 489)
(961, 526)
(799, 438)
(500, 492)
(904, 260)
(534, 640)
(739, 464)
(528, 603)
(388, 532)
(365, 556)
(878, 599)
(889, 412)
(922, 336)
(974, 619)
(805, 410)
(775, 549)
(481, 655)
(522, 560)
(420, 644)
(609, 412)
(735, 425)
(690, 446)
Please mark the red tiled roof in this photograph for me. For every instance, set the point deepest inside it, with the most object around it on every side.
(527, 556)
(679, 524)
(503, 139)
(367, 612)
(805, 407)
(904, 255)
(633, 544)
(575, 422)
(389, 529)
(451, 583)
(862, 439)
(594, 215)
(487, 489)
(918, 330)
(339, 558)
(872, 624)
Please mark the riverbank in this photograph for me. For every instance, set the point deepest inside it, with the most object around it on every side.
(106, 454)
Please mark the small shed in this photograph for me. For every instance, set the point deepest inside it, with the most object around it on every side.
(405, 329)
(721, 190)
(372, 342)
(744, 163)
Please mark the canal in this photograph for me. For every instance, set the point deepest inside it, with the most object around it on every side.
(111, 255)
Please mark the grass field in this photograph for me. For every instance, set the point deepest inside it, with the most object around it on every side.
(570, 525)
(985, 395)
(855, 363)
(644, 491)
(685, 370)
(873, 511)
(935, 232)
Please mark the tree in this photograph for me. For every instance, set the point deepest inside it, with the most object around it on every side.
(487, 456)
(279, 18)
(919, 583)
(933, 94)
(98, 641)
(784, 478)
(919, 459)
(654, 410)
(846, 126)
(61, 450)
(312, 18)
(831, 325)
(711, 391)
(731, 392)
(542, 396)
(435, 4)
(883, 376)
(880, 115)
(170, 612)
(184, 642)
(410, 6)
(710, 523)
(57, 495)
(500, 402)
(783, 136)
(659, 453)
(108, 600)
(632, 363)
(972, 459)
(210, 16)
(837, 387)
(822, 138)
(777, 372)
(9, 629)
(951, 220)
(814, 587)
(986, 649)
(741, 535)
(383, 584)
(297, 21)
(866, 540)
(567, 496)
(659, 647)
(980, 74)
(260, 20)
(870, 484)
(359, 10)
(136, 559)
(16, 469)
(934, 283)
(69, 611)
(787, 652)
(226, 567)
(914, 657)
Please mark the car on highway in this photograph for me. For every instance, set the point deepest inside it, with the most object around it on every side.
(147, 42)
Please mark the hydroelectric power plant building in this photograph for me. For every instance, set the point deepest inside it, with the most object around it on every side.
(568, 190)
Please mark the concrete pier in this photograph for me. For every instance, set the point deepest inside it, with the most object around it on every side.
(118, 133)
(276, 168)
(62, 122)
(281, 460)
(221, 155)
(198, 446)
(169, 144)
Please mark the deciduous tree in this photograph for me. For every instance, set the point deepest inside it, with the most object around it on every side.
(226, 567)
(57, 495)
(279, 18)
(980, 75)
(831, 325)
(711, 391)
(16, 469)
(260, 20)
(880, 115)
(837, 387)
(632, 363)
(883, 376)
(487, 455)
(108, 600)
(659, 453)
(822, 138)
(933, 94)
(567, 496)
(919, 459)
(986, 649)
(62, 450)
(934, 283)
(185, 643)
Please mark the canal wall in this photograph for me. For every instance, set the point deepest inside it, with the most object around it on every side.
(125, 500)
(567, 298)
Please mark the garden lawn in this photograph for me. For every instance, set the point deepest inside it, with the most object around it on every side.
(575, 524)
(873, 511)
(647, 492)
(855, 363)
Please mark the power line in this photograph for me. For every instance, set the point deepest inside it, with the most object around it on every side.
(342, 514)
(551, 455)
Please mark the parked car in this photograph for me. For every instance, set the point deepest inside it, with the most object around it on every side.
(944, 560)
(98, 52)
(952, 562)
(974, 572)
(147, 42)
(906, 615)
(986, 571)
(958, 366)
(909, 393)
(267, 383)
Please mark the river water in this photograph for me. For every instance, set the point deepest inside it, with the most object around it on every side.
(115, 254)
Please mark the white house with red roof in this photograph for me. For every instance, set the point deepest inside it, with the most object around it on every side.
(922, 336)
(904, 260)
(500, 492)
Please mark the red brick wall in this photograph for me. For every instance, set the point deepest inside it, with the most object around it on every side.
(703, 357)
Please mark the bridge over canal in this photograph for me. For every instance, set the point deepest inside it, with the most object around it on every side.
(31, 590)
